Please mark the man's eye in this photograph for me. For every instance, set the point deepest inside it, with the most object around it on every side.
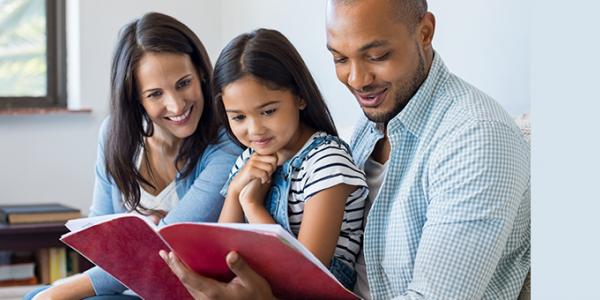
(340, 60)
(380, 57)
(269, 112)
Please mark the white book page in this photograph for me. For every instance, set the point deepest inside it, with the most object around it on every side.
(82, 223)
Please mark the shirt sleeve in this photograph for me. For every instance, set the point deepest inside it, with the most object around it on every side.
(477, 182)
(103, 185)
(329, 165)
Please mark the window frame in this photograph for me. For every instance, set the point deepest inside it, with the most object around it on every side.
(56, 76)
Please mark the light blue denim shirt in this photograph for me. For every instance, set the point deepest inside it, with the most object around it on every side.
(200, 200)
(452, 217)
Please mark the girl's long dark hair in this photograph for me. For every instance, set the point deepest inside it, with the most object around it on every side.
(129, 123)
(269, 56)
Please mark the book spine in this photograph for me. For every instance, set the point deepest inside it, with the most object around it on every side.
(58, 263)
(43, 265)
(3, 217)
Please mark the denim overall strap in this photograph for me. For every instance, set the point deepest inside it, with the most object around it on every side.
(276, 201)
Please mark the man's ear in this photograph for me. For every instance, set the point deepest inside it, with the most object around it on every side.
(426, 30)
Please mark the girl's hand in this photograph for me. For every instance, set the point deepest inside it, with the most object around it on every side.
(254, 193)
(259, 167)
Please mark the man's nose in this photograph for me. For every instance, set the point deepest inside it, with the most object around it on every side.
(360, 76)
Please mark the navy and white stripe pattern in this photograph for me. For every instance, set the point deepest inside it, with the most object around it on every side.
(325, 166)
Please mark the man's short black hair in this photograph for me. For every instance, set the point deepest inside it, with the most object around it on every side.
(408, 11)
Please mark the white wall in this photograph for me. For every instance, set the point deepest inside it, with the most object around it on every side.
(51, 158)
(565, 162)
(487, 43)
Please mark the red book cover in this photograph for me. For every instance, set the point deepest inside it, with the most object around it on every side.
(127, 247)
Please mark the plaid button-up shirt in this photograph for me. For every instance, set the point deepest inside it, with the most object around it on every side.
(452, 217)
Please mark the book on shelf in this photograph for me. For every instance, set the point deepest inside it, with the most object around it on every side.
(123, 243)
(17, 268)
(53, 264)
(37, 213)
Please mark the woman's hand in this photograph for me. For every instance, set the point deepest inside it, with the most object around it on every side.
(257, 167)
(157, 215)
(247, 285)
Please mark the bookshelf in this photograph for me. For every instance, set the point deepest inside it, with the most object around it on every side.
(32, 237)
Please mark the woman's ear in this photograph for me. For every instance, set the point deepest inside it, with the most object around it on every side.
(301, 103)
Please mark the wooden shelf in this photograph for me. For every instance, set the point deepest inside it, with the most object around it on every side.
(31, 236)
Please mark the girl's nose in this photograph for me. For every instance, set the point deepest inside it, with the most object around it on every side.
(255, 127)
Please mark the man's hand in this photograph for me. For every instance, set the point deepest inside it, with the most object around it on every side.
(247, 285)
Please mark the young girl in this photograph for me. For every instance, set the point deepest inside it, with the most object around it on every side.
(161, 152)
(295, 171)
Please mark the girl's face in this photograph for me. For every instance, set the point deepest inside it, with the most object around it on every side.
(263, 119)
(169, 89)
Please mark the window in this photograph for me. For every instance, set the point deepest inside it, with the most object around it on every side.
(32, 54)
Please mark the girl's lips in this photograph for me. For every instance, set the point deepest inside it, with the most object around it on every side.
(371, 99)
(262, 142)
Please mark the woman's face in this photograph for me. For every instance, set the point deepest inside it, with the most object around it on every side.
(170, 92)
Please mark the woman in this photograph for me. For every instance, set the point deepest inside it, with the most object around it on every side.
(162, 152)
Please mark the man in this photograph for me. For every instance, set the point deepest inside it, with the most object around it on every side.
(447, 167)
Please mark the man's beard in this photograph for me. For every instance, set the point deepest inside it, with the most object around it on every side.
(403, 95)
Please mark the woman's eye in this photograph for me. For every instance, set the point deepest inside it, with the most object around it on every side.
(184, 83)
(154, 94)
(269, 112)
(238, 118)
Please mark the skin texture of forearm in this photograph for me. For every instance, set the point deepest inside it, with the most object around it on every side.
(77, 287)
(232, 210)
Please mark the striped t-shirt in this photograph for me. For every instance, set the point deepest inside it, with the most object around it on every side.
(325, 166)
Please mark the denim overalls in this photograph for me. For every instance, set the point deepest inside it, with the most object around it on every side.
(276, 202)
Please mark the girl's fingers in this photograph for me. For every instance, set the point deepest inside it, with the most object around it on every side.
(270, 159)
(266, 167)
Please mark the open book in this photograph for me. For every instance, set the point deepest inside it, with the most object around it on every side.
(127, 246)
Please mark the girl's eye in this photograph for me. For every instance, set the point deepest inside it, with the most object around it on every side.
(380, 57)
(269, 112)
(154, 94)
(238, 118)
(184, 83)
